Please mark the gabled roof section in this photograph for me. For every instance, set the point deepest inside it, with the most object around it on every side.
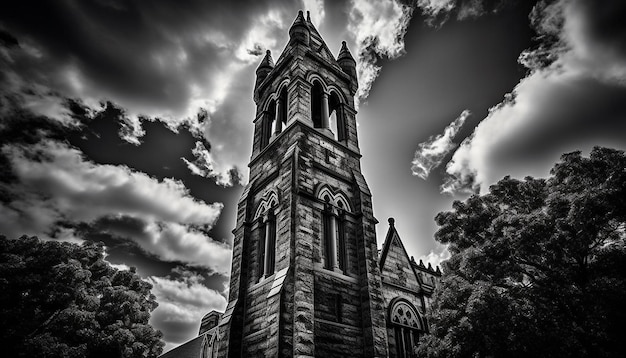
(395, 265)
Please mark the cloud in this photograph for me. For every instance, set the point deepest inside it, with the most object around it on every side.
(183, 301)
(378, 29)
(159, 61)
(316, 7)
(437, 256)
(572, 98)
(433, 8)
(121, 267)
(54, 184)
(205, 166)
(431, 153)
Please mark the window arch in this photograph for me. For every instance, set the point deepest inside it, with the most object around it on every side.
(317, 99)
(265, 215)
(267, 124)
(275, 115)
(282, 105)
(208, 345)
(336, 118)
(408, 325)
(334, 228)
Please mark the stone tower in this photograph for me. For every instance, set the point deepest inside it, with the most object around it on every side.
(305, 279)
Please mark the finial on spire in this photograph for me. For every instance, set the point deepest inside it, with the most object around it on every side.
(391, 221)
(299, 31)
(267, 61)
(308, 16)
(344, 53)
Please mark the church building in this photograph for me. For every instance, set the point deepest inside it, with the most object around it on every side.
(307, 277)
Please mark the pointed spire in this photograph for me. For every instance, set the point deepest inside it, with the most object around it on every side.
(267, 61)
(265, 67)
(299, 18)
(348, 65)
(344, 53)
(299, 31)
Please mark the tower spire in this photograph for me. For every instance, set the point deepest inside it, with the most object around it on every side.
(265, 67)
(348, 65)
(299, 31)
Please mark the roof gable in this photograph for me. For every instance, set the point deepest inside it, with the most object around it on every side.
(395, 264)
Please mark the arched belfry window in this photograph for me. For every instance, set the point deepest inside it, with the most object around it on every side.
(337, 119)
(282, 105)
(268, 124)
(317, 105)
(275, 117)
(407, 325)
(334, 228)
(265, 216)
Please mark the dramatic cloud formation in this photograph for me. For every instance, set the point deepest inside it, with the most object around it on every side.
(56, 185)
(431, 153)
(577, 80)
(183, 301)
(190, 55)
(205, 166)
(378, 29)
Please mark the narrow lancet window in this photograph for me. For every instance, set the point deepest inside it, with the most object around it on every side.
(337, 121)
(266, 226)
(334, 240)
(319, 106)
(267, 126)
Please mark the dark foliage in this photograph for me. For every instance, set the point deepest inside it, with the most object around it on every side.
(63, 300)
(538, 267)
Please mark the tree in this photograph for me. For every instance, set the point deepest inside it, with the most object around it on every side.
(537, 267)
(60, 299)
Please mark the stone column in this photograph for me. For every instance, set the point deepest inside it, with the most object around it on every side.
(279, 116)
(325, 114)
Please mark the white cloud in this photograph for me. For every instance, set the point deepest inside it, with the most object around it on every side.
(431, 153)
(560, 95)
(437, 256)
(316, 7)
(121, 267)
(261, 36)
(377, 27)
(435, 7)
(182, 304)
(178, 242)
(205, 166)
(55, 183)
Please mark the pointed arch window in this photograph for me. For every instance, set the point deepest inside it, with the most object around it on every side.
(318, 97)
(266, 245)
(267, 125)
(408, 325)
(275, 117)
(282, 106)
(334, 229)
(337, 119)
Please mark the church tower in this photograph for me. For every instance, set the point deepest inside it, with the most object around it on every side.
(305, 280)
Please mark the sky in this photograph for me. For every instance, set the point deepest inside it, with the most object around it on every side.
(130, 122)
